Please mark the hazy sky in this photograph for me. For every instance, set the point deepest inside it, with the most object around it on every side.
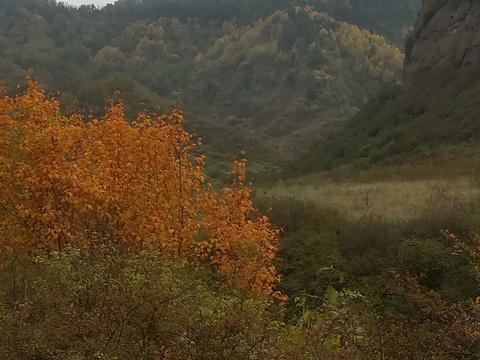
(82, 2)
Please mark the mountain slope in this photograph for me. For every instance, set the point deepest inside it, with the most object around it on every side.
(266, 77)
(435, 113)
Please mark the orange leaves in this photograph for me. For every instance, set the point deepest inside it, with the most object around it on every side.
(248, 243)
(110, 183)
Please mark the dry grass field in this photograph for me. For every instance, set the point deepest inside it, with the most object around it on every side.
(394, 200)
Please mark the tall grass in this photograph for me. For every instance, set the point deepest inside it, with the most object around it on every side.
(394, 200)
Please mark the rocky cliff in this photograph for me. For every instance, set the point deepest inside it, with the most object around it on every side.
(445, 43)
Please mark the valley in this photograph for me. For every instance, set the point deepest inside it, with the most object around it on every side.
(240, 179)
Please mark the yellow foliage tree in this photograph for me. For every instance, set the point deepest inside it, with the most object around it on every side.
(129, 186)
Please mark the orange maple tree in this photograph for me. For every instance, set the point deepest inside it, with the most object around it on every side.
(126, 185)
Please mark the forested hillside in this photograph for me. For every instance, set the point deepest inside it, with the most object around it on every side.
(434, 115)
(266, 77)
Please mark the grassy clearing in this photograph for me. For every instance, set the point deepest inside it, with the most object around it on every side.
(394, 200)
(367, 229)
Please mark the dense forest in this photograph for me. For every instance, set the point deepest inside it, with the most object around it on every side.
(264, 81)
(129, 224)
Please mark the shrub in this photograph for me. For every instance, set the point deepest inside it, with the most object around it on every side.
(438, 266)
(66, 305)
(308, 243)
(128, 185)
(427, 258)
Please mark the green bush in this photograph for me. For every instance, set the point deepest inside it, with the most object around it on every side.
(308, 243)
(438, 266)
(69, 306)
(427, 258)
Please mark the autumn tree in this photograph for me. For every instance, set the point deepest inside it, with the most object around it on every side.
(131, 186)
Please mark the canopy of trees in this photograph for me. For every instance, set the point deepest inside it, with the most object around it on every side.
(265, 74)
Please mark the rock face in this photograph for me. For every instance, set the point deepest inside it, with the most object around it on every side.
(445, 42)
